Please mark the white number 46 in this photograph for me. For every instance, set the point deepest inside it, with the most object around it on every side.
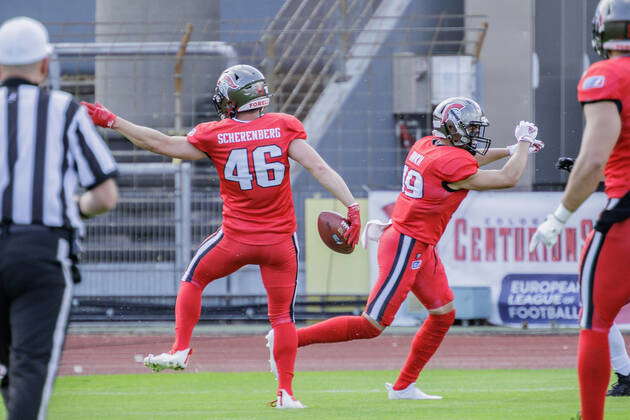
(268, 174)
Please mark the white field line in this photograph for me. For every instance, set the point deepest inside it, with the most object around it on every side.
(325, 391)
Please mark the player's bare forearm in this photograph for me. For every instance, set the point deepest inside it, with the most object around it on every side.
(515, 166)
(583, 181)
(334, 183)
(601, 132)
(143, 137)
(156, 141)
(492, 155)
(505, 177)
(305, 155)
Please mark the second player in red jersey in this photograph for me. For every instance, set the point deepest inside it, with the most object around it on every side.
(250, 151)
(431, 165)
(439, 170)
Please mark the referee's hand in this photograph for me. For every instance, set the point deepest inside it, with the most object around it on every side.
(101, 116)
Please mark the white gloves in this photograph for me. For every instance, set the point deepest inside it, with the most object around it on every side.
(535, 147)
(373, 231)
(549, 230)
(526, 131)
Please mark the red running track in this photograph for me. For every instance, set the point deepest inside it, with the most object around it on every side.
(107, 354)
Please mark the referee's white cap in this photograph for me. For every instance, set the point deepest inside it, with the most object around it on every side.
(23, 41)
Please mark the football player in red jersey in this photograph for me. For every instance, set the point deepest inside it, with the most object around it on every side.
(619, 358)
(439, 170)
(604, 91)
(250, 150)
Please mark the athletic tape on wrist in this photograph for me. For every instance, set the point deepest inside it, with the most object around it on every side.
(562, 213)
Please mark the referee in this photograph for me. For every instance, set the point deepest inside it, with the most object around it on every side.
(48, 147)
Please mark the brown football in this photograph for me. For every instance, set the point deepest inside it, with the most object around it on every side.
(331, 227)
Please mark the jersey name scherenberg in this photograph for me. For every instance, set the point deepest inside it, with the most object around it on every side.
(253, 135)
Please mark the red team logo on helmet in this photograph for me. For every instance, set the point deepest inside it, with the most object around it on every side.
(227, 79)
(226, 82)
(448, 109)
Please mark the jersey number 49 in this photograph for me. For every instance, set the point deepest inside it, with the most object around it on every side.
(412, 183)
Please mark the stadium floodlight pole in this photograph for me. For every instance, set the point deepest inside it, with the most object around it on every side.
(82, 49)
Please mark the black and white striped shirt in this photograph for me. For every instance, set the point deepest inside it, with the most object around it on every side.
(48, 147)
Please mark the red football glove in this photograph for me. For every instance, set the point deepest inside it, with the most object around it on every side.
(101, 116)
(354, 217)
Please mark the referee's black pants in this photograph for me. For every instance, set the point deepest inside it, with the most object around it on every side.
(35, 297)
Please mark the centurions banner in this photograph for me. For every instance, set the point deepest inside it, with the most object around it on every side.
(486, 244)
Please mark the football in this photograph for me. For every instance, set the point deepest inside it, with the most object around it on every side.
(331, 227)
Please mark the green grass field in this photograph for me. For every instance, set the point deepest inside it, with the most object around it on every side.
(468, 394)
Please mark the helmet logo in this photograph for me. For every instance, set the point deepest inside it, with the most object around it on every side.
(448, 109)
(228, 81)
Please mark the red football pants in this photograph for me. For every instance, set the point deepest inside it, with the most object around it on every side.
(406, 264)
(219, 256)
(604, 289)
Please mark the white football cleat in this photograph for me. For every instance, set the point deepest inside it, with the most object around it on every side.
(285, 401)
(176, 360)
(409, 393)
(272, 361)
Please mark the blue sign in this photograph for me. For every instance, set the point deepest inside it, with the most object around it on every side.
(539, 299)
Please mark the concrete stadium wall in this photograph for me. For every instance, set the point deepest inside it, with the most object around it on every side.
(66, 21)
(563, 48)
(58, 11)
(506, 63)
(150, 80)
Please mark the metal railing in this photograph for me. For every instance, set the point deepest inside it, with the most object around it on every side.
(112, 49)
(306, 46)
(147, 239)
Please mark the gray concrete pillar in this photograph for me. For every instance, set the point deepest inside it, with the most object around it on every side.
(506, 65)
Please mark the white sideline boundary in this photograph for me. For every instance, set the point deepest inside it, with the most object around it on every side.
(323, 391)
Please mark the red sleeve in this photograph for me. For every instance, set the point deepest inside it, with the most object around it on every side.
(295, 129)
(199, 137)
(600, 83)
(457, 168)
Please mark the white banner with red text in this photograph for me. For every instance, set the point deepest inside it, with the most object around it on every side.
(486, 244)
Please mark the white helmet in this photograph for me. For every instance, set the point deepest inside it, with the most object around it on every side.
(23, 41)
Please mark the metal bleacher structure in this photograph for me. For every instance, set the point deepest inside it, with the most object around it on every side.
(134, 256)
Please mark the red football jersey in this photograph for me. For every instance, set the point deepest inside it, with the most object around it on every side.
(609, 80)
(252, 161)
(426, 204)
